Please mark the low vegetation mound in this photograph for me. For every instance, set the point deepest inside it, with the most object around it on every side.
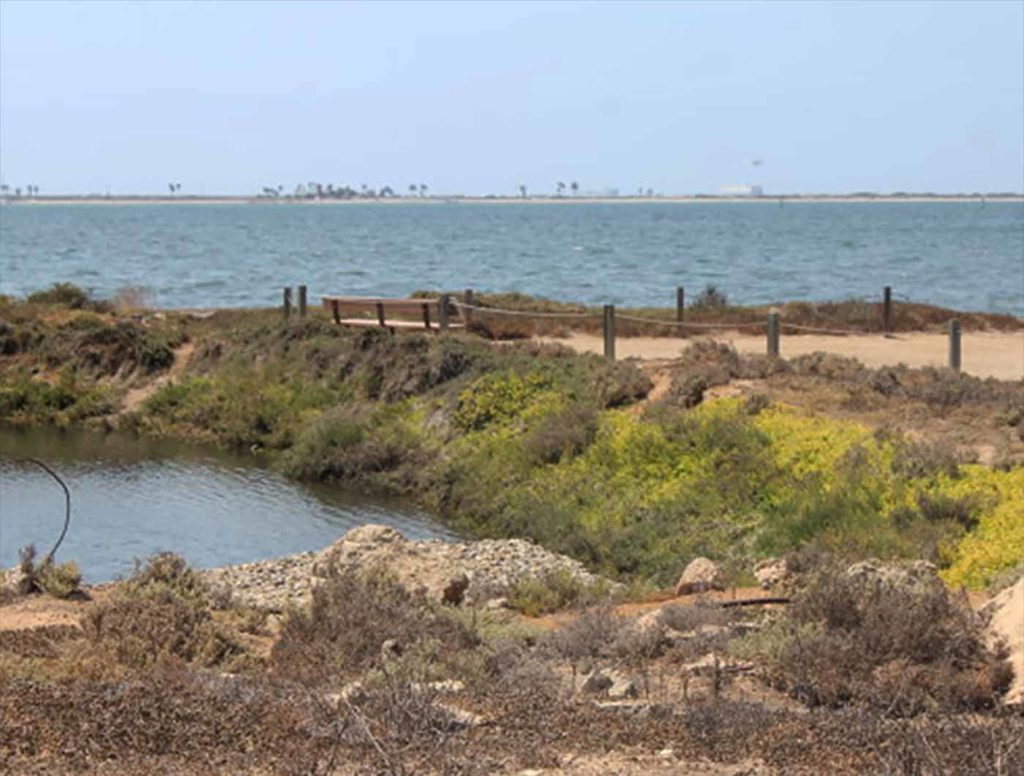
(360, 620)
(374, 679)
(162, 613)
(566, 450)
(888, 637)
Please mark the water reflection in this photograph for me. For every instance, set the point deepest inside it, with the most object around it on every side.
(133, 496)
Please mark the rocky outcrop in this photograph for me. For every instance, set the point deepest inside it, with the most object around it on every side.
(700, 576)
(772, 573)
(461, 572)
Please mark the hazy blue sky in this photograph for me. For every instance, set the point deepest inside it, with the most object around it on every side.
(477, 98)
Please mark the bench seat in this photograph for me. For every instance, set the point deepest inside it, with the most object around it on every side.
(393, 323)
(422, 313)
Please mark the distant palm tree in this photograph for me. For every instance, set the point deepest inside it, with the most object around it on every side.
(522, 190)
(412, 188)
(561, 188)
(423, 189)
(575, 186)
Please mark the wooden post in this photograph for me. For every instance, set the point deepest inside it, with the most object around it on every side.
(467, 298)
(287, 303)
(773, 335)
(680, 302)
(887, 309)
(442, 312)
(302, 301)
(380, 314)
(609, 332)
(954, 345)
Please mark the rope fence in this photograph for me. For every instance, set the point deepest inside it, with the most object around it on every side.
(686, 324)
(522, 313)
(772, 327)
(818, 330)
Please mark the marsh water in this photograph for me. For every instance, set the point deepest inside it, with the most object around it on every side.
(132, 497)
(965, 255)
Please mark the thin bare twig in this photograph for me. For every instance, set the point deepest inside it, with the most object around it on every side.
(67, 504)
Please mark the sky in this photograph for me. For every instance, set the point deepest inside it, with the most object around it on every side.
(478, 98)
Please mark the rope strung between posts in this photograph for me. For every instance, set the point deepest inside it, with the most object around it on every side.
(660, 322)
(67, 503)
(523, 313)
(817, 330)
(685, 324)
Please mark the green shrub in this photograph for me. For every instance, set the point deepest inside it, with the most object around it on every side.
(497, 399)
(61, 580)
(919, 460)
(553, 592)
(357, 443)
(30, 400)
(63, 294)
(710, 298)
(561, 434)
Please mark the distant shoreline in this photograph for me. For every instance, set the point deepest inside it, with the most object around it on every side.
(240, 200)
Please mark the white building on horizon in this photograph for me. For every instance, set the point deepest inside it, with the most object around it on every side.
(752, 190)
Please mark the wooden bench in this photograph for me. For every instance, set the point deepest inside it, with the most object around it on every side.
(416, 313)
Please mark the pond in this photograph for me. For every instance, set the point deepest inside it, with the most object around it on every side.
(132, 496)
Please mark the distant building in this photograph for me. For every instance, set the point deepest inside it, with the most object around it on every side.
(742, 190)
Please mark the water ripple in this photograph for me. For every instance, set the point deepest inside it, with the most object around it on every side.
(145, 499)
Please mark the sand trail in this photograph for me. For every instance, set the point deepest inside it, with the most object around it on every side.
(985, 354)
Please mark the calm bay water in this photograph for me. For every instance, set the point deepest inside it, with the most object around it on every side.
(131, 497)
(962, 255)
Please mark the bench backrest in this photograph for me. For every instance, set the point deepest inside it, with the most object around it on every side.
(426, 309)
(369, 304)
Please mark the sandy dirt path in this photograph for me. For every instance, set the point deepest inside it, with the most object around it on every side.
(134, 398)
(985, 354)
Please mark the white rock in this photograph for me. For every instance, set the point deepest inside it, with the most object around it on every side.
(771, 572)
(700, 576)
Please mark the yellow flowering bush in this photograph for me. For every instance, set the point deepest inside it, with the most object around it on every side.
(998, 541)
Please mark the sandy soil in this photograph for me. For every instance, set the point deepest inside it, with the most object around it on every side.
(41, 611)
(1007, 611)
(134, 398)
(985, 354)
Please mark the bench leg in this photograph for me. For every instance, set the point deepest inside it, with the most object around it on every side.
(335, 309)
(426, 315)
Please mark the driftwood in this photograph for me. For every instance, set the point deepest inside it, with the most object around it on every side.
(753, 602)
